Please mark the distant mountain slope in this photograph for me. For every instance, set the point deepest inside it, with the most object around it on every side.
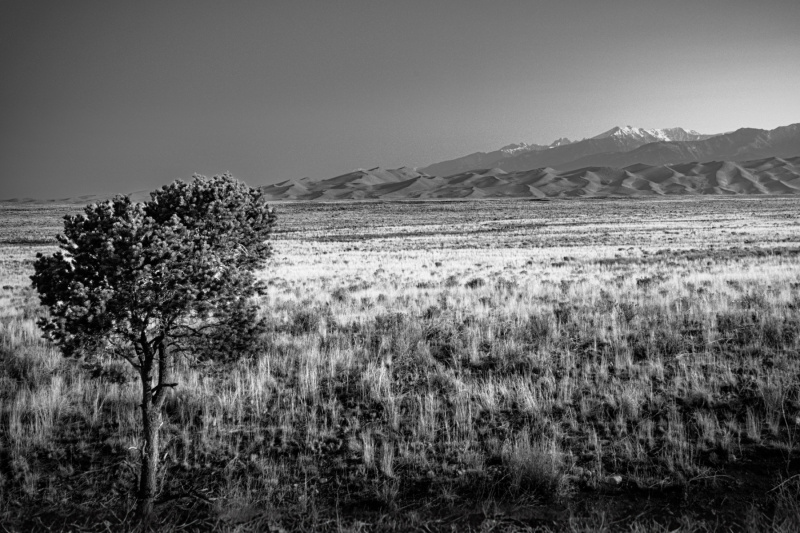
(769, 176)
(643, 135)
(561, 151)
(740, 145)
(488, 159)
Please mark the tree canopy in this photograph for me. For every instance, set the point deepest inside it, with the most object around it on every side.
(178, 267)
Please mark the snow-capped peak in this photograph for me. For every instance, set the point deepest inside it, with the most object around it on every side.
(512, 149)
(651, 135)
(516, 148)
(559, 142)
(625, 131)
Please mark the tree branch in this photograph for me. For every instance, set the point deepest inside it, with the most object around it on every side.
(164, 375)
(194, 331)
(162, 386)
(131, 360)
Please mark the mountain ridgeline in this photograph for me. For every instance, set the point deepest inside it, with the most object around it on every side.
(620, 147)
(623, 161)
(527, 157)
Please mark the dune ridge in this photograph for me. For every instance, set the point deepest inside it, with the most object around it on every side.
(765, 176)
(768, 176)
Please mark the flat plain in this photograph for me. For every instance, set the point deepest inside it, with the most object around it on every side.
(487, 365)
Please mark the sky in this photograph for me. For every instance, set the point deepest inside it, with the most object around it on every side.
(124, 96)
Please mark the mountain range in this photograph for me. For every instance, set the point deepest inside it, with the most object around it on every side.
(623, 161)
(623, 146)
(527, 156)
(770, 176)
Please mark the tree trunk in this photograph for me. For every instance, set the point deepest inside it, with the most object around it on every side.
(152, 403)
(151, 419)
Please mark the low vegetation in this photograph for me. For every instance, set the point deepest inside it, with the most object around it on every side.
(486, 366)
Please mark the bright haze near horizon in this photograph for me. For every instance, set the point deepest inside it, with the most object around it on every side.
(104, 97)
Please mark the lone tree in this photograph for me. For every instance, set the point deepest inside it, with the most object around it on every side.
(149, 282)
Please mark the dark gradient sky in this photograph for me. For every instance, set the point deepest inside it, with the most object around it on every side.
(103, 96)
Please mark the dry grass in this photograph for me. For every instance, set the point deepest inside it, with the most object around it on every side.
(484, 365)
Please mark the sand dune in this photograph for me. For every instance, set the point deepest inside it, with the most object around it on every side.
(764, 176)
(769, 176)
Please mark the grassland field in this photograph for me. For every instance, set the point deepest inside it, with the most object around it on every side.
(580, 365)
